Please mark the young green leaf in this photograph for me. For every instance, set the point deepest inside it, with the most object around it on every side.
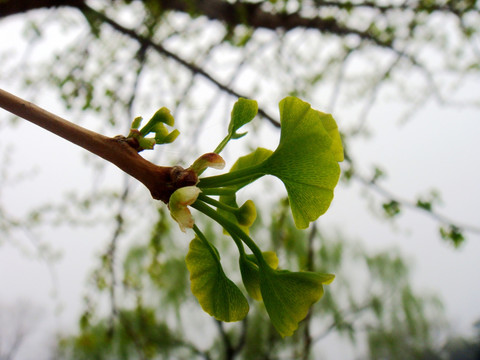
(169, 138)
(243, 112)
(217, 294)
(250, 272)
(254, 158)
(231, 200)
(251, 160)
(330, 125)
(246, 214)
(250, 277)
(162, 115)
(270, 258)
(154, 125)
(306, 159)
(289, 295)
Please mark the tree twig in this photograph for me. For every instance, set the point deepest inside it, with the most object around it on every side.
(373, 185)
(145, 41)
(162, 181)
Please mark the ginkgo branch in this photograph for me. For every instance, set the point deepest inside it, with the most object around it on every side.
(162, 181)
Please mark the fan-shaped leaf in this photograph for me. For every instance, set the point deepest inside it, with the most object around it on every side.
(217, 294)
(331, 126)
(250, 272)
(289, 295)
(306, 159)
(254, 158)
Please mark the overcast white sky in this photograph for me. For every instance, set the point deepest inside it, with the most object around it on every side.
(437, 149)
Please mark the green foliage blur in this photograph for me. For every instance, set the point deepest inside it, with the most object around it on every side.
(154, 319)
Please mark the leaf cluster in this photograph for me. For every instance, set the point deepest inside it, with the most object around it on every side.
(306, 160)
(379, 303)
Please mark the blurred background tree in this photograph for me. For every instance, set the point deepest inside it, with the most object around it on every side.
(109, 61)
(155, 312)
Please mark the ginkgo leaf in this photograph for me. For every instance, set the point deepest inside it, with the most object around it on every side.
(250, 277)
(250, 272)
(252, 159)
(246, 214)
(288, 296)
(231, 200)
(330, 125)
(218, 295)
(306, 159)
(270, 258)
(243, 112)
(248, 161)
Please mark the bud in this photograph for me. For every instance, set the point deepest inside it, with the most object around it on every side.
(246, 214)
(136, 122)
(163, 115)
(178, 205)
(162, 136)
(146, 143)
(208, 160)
(171, 137)
(160, 130)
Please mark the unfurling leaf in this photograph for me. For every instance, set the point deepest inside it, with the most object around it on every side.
(217, 294)
(247, 213)
(154, 125)
(162, 115)
(289, 295)
(243, 112)
(252, 159)
(136, 122)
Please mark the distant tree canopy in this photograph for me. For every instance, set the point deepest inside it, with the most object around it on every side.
(331, 53)
(154, 308)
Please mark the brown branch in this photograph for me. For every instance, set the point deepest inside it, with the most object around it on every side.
(253, 15)
(147, 42)
(12, 7)
(227, 343)
(160, 180)
(231, 351)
